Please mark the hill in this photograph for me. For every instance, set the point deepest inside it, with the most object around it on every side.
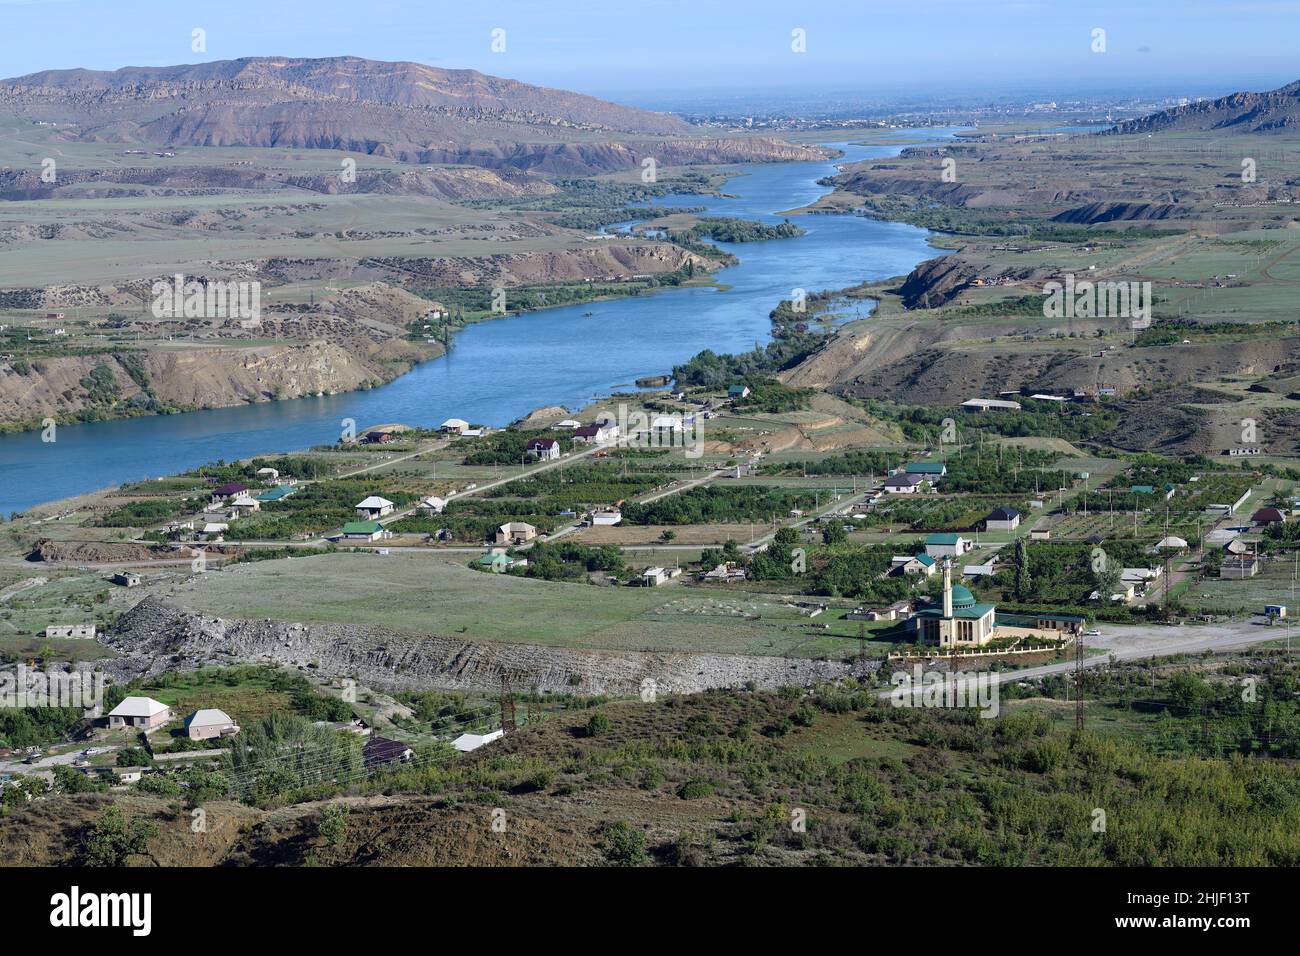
(1268, 112)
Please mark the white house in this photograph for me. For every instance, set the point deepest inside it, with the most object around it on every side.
(208, 723)
(70, 631)
(143, 712)
(543, 449)
(454, 426)
(946, 545)
(913, 564)
(568, 423)
(610, 517)
(246, 503)
(653, 577)
(1002, 519)
(515, 532)
(904, 484)
(599, 434)
(432, 504)
(374, 507)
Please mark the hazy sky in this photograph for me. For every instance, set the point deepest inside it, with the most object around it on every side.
(678, 46)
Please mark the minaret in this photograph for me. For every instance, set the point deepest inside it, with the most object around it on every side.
(947, 587)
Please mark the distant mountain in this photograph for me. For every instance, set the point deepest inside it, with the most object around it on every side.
(1238, 112)
(405, 111)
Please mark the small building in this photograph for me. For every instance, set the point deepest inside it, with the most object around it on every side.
(467, 742)
(947, 544)
(1002, 519)
(1275, 610)
(209, 723)
(568, 423)
(215, 529)
(653, 577)
(454, 426)
(128, 579)
(363, 531)
(268, 474)
(245, 503)
(738, 391)
(378, 438)
(79, 632)
(497, 560)
(374, 507)
(381, 750)
(142, 712)
(611, 516)
(432, 505)
(1239, 568)
(1171, 543)
(543, 449)
(904, 484)
(986, 570)
(515, 532)
(1040, 534)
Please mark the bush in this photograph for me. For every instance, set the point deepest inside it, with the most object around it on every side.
(695, 789)
(624, 845)
(597, 724)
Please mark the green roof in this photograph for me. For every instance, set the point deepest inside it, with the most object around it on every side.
(275, 494)
(925, 468)
(362, 527)
(974, 611)
(962, 596)
(925, 559)
(1142, 489)
(942, 537)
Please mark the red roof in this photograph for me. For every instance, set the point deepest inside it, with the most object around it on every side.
(234, 488)
(1270, 515)
(543, 443)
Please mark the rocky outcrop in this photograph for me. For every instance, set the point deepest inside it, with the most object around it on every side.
(155, 636)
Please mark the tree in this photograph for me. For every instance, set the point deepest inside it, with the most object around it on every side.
(833, 533)
(624, 845)
(112, 839)
(1024, 583)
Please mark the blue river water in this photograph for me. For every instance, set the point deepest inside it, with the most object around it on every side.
(499, 370)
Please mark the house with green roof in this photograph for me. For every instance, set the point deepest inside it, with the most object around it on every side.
(277, 494)
(364, 531)
(934, 469)
(944, 544)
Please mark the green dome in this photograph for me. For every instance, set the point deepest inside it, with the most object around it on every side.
(961, 596)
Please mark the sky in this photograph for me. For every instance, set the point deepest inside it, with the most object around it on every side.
(675, 50)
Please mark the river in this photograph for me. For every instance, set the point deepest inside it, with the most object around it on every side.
(499, 370)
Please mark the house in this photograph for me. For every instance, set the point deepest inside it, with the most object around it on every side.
(374, 507)
(1123, 593)
(70, 632)
(128, 579)
(928, 469)
(568, 423)
(725, 573)
(599, 434)
(609, 517)
(913, 564)
(904, 484)
(276, 494)
(515, 532)
(454, 426)
(1002, 519)
(268, 474)
(946, 545)
(1040, 534)
(653, 577)
(381, 750)
(1267, 516)
(215, 529)
(467, 742)
(499, 561)
(209, 723)
(230, 490)
(245, 503)
(990, 405)
(543, 449)
(1171, 543)
(142, 712)
(738, 391)
(1238, 546)
(363, 531)
(1141, 490)
(986, 570)
(432, 505)
(1239, 568)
